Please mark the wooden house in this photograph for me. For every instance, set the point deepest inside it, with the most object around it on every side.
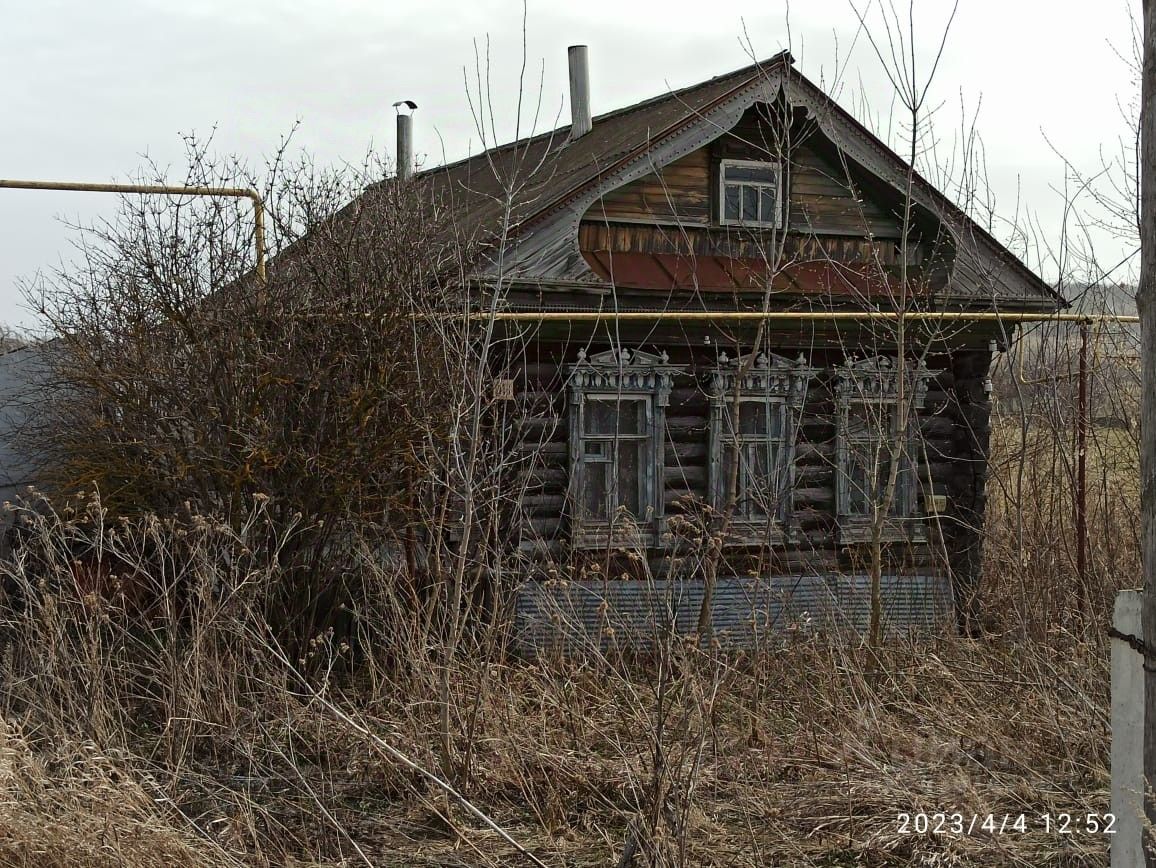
(661, 409)
(751, 376)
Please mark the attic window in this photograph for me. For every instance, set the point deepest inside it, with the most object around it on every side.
(750, 193)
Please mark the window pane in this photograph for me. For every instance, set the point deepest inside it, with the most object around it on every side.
(760, 495)
(610, 417)
(764, 174)
(753, 419)
(632, 417)
(767, 205)
(732, 193)
(596, 450)
(871, 429)
(630, 454)
(883, 471)
(724, 482)
(860, 423)
(859, 477)
(775, 432)
(750, 203)
(904, 483)
(594, 479)
(601, 417)
(870, 467)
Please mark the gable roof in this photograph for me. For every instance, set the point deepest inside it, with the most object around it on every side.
(532, 192)
(544, 170)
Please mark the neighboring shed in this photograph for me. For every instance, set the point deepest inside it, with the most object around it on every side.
(24, 373)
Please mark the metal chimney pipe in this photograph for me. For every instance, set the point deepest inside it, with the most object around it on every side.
(579, 91)
(404, 147)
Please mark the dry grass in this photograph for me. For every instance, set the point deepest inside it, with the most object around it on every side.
(193, 742)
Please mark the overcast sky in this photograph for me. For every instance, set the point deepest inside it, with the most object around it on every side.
(89, 89)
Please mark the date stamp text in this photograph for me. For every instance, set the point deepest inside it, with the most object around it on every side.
(959, 824)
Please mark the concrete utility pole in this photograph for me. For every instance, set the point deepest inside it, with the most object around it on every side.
(1146, 300)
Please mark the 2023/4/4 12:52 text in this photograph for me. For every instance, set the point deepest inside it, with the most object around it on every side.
(956, 823)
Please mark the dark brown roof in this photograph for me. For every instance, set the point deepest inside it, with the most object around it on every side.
(545, 170)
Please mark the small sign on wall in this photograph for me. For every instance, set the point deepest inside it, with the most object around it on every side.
(935, 504)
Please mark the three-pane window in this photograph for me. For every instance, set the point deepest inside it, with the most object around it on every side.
(871, 431)
(877, 424)
(750, 193)
(757, 442)
(617, 414)
(755, 404)
(616, 449)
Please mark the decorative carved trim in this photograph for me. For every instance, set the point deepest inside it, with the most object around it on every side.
(632, 374)
(780, 381)
(768, 375)
(875, 380)
(626, 371)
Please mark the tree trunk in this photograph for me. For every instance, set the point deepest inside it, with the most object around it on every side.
(1146, 299)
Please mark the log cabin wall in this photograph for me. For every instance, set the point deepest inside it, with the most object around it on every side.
(951, 447)
(831, 215)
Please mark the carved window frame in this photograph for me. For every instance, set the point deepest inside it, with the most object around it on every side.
(780, 385)
(619, 375)
(873, 384)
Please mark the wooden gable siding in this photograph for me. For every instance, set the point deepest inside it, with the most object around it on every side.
(952, 441)
(821, 199)
(676, 193)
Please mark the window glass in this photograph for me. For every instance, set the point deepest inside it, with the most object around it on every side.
(761, 488)
(610, 417)
(750, 203)
(767, 204)
(869, 430)
(766, 174)
(595, 487)
(731, 205)
(630, 476)
(750, 193)
(753, 418)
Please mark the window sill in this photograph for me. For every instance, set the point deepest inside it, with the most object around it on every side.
(724, 223)
(744, 532)
(858, 530)
(590, 535)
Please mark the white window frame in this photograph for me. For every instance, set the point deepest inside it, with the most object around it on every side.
(777, 223)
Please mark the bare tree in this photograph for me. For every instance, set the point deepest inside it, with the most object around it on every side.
(191, 386)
